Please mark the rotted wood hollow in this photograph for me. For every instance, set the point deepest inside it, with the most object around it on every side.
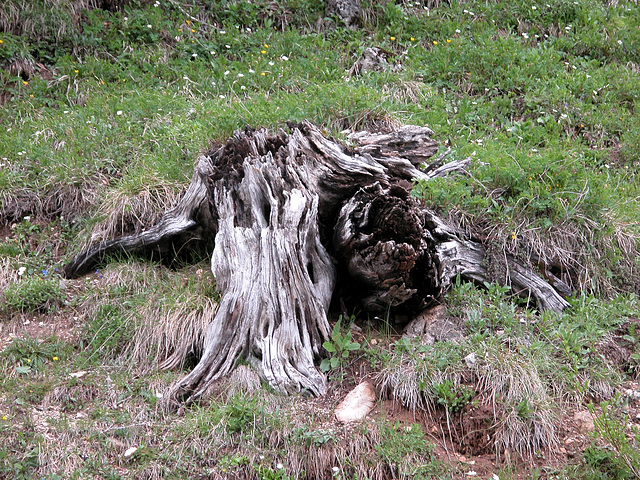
(281, 214)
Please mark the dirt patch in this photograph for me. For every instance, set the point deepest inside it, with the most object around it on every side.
(476, 430)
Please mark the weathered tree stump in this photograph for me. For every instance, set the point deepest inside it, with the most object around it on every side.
(279, 213)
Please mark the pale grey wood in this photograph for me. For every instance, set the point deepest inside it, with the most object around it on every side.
(269, 201)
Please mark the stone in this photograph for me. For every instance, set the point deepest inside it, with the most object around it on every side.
(357, 404)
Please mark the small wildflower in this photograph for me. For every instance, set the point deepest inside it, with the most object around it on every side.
(44, 273)
(251, 70)
(457, 30)
(4, 417)
(55, 359)
(227, 46)
(392, 39)
(271, 63)
(31, 95)
(193, 31)
(279, 466)
(266, 46)
(21, 270)
(619, 42)
(284, 58)
(148, 25)
(435, 42)
(240, 75)
(24, 82)
(448, 40)
(194, 55)
(1, 42)
(119, 112)
(227, 72)
(263, 73)
(188, 22)
(76, 71)
(242, 87)
(413, 40)
(513, 235)
(263, 52)
(534, 8)
(223, 32)
(28, 360)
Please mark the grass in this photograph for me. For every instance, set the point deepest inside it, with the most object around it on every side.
(103, 112)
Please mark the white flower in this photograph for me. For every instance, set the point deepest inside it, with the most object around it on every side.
(279, 466)
(284, 58)
(222, 32)
(240, 75)
(227, 46)
(227, 72)
(221, 96)
(251, 70)
(457, 30)
(194, 55)
(335, 469)
(212, 52)
(271, 63)
(534, 8)
(148, 25)
(21, 270)
(525, 35)
(619, 42)
(242, 87)
(119, 112)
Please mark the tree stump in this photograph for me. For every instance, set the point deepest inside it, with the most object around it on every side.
(281, 214)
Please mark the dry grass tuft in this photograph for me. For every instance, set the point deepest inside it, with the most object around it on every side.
(524, 415)
(126, 214)
(33, 18)
(176, 336)
(68, 201)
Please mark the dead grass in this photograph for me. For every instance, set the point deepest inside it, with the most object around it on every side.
(125, 214)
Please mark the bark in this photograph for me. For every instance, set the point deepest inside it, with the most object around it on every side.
(281, 215)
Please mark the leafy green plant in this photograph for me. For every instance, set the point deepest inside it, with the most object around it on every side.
(451, 396)
(339, 348)
(621, 458)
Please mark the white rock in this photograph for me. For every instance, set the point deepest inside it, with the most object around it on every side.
(357, 404)
(470, 360)
(130, 451)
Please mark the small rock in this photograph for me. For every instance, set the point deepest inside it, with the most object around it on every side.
(357, 404)
(584, 419)
(470, 360)
(130, 451)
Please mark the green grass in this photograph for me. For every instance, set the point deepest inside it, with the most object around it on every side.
(102, 115)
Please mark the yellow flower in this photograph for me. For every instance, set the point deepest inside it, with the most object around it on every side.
(266, 46)
(31, 95)
(448, 40)
(435, 42)
(392, 38)
(28, 360)
(55, 359)
(513, 235)
(412, 39)
(76, 71)
(188, 22)
(193, 30)
(1, 42)
(4, 417)
(24, 82)
(263, 73)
